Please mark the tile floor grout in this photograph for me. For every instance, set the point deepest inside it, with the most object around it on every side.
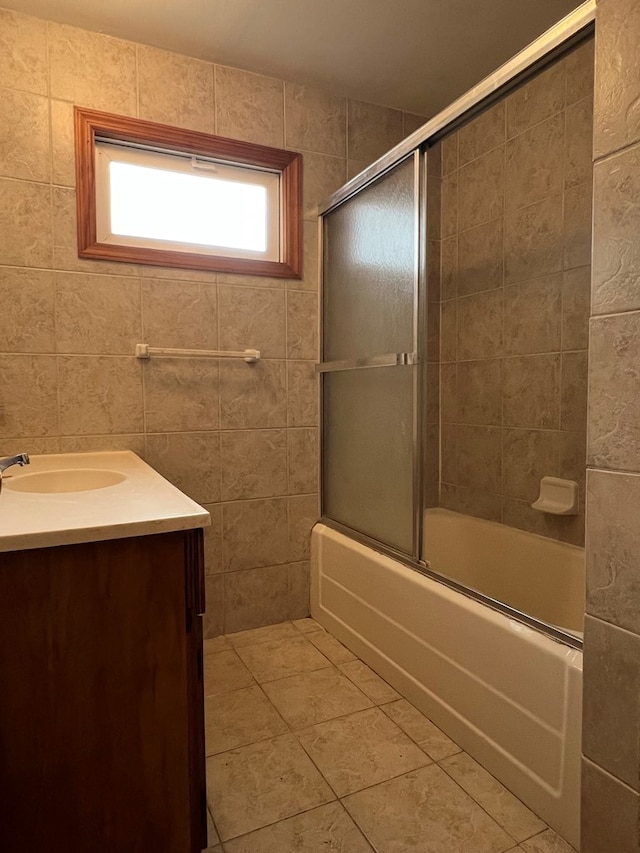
(281, 634)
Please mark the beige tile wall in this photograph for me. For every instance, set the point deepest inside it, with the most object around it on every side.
(611, 724)
(241, 440)
(515, 279)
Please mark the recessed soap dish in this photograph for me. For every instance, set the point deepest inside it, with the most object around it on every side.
(557, 496)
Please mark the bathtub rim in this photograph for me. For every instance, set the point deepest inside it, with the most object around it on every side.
(554, 632)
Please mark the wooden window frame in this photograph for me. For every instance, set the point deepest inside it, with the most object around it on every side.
(91, 124)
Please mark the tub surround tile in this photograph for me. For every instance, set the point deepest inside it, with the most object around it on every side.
(256, 785)
(577, 225)
(249, 106)
(314, 697)
(299, 589)
(302, 325)
(28, 396)
(448, 280)
(578, 149)
(533, 316)
(479, 392)
(479, 457)
(303, 514)
(303, 461)
(327, 827)
(92, 69)
(110, 310)
(613, 548)
(252, 318)
(25, 223)
(253, 464)
(449, 204)
(616, 262)
(614, 392)
(573, 392)
(420, 729)
(372, 130)
(277, 659)
(302, 394)
(224, 671)
(481, 189)
(508, 811)
(256, 597)
(580, 72)
(611, 702)
(480, 322)
(63, 158)
(23, 52)
(190, 460)
(323, 175)
(213, 620)
(316, 120)
(424, 812)
(180, 315)
(616, 83)
(25, 141)
(371, 684)
(181, 395)
(99, 394)
(576, 303)
(540, 407)
(253, 396)
(174, 89)
(484, 133)
(534, 166)
(480, 258)
(609, 813)
(254, 534)
(239, 718)
(27, 321)
(449, 154)
(542, 97)
(213, 540)
(534, 240)
(528, 455)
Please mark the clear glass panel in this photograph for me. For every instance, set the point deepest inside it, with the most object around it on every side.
(369, 269)
(368, 452)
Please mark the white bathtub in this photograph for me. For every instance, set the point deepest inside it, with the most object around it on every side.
(508, 694)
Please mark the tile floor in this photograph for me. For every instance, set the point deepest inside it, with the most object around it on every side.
(309, 751)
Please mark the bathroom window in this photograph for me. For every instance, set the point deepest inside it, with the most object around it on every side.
(154, 194)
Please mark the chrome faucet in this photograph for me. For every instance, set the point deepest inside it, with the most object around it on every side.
(20, 459)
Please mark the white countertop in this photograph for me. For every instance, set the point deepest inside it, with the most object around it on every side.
(143, 503)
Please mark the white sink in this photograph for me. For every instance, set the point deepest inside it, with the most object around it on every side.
(64, 480)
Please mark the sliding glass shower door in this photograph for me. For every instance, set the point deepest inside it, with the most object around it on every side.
(369, 360)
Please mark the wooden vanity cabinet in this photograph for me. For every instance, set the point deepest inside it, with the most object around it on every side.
(101, 697)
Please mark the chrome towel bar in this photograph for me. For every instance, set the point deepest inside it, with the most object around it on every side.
(145, 351)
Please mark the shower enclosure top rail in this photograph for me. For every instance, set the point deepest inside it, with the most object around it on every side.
(145, 351)
(391, 359)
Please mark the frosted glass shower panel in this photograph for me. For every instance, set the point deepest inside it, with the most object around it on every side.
(369, 269)
(368, 452)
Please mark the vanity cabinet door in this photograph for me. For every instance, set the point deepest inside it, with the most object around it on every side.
(101, 697)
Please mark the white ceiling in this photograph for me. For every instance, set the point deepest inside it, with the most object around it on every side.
(415, 55)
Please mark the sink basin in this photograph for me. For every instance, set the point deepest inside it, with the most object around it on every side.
(63, 480)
